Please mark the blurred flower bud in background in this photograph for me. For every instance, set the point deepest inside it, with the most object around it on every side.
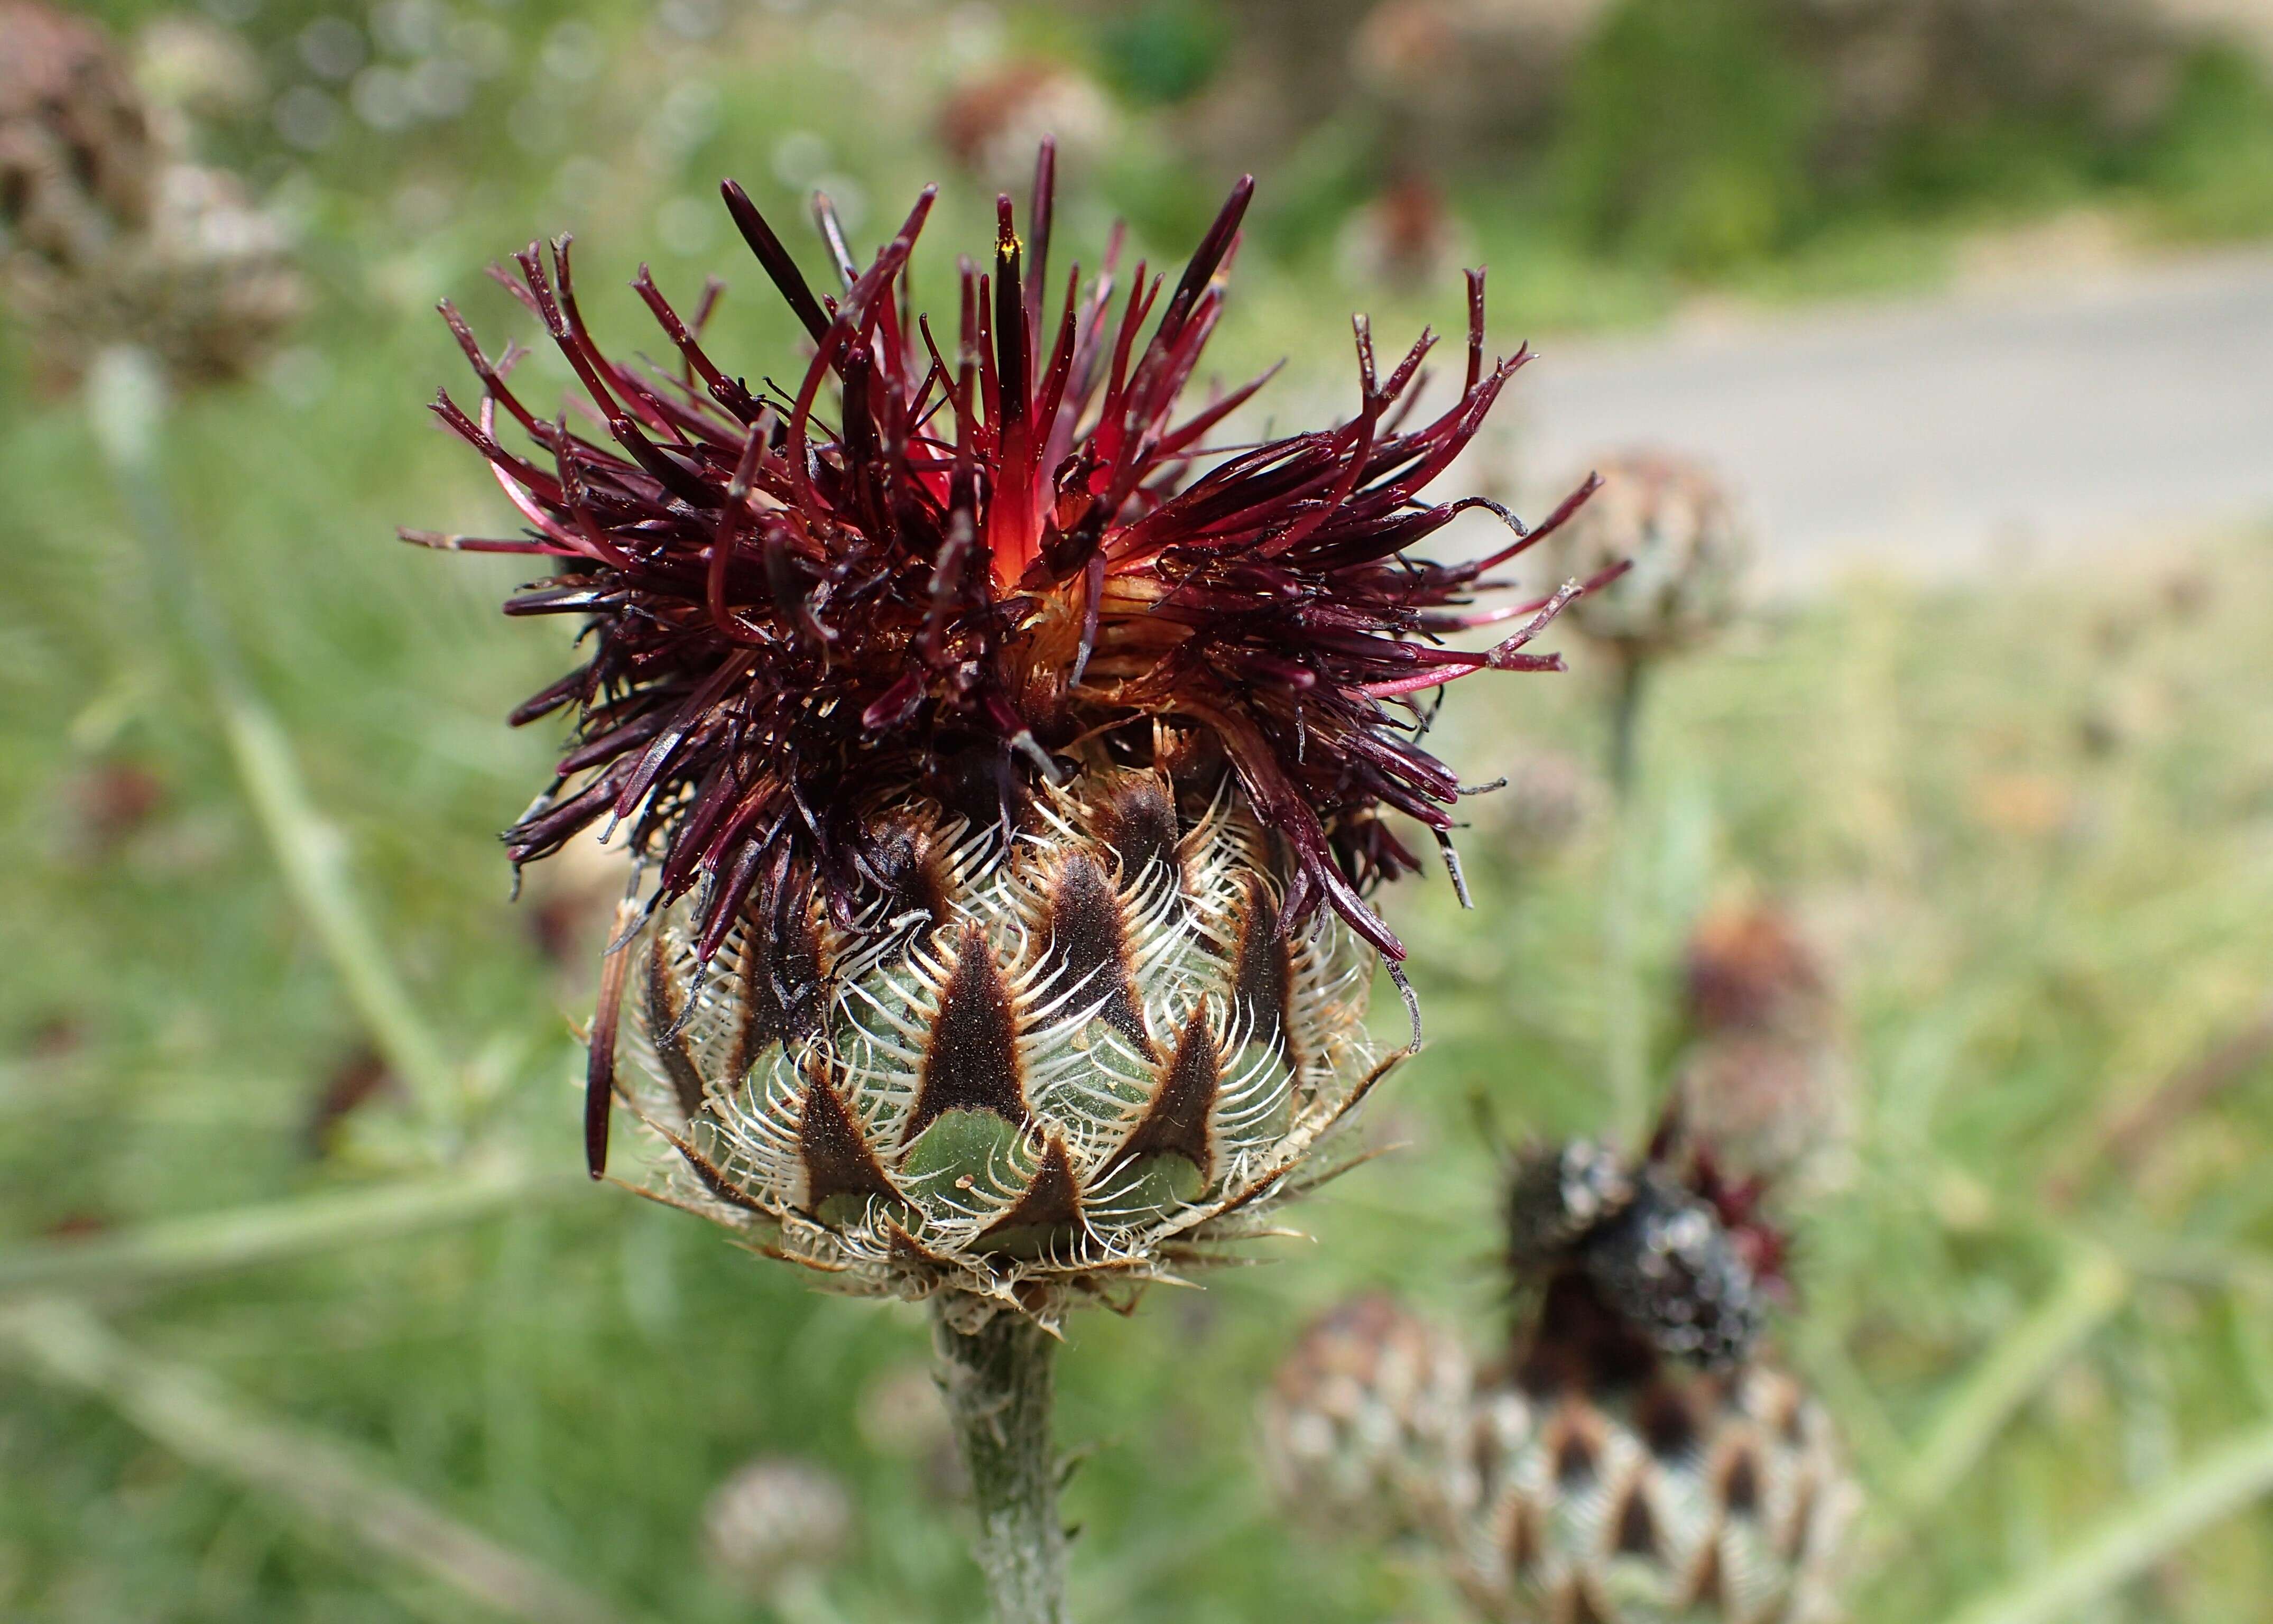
(106, 235)
(1688, 547)
(776, 1519)
(1766, 1085)
(1361, 1425)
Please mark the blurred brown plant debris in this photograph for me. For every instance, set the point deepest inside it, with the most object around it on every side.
(111, 801)
(360, 1079)
(1405, 237)
(568, 904)
(108, 234)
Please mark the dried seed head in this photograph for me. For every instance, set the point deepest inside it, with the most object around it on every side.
(1706, 1499)
(1637, 1462)
(1687, 547)
(775, 1518)
(105, 235)
(1363, 1424)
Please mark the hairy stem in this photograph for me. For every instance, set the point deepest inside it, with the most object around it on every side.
(999, 1388)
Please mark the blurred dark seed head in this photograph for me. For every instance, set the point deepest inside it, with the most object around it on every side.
(1619, 1265)
(1748, 968)
(360, 1079)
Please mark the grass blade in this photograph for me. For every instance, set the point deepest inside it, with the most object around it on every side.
(317, 1478)
(178, 1248)
(2131, 1539)
(2093, 1287)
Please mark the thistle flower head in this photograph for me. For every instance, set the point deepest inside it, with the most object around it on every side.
(1362, 1424)
(992, 736)
(1639, 1462)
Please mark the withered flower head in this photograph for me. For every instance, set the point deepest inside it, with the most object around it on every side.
(1011, 763)
(106, 235)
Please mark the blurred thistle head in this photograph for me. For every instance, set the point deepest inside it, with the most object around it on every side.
(1748, 968)
(775, 1518)
(1622, 1266)
(1686, 549)
(107, 236)
(1766, 1088)
(1006, 764)
(1638, 1460)
(1362, 1423)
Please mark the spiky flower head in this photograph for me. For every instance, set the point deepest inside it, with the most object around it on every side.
(1639, 1461)
(1673, 523)
(1007, 764)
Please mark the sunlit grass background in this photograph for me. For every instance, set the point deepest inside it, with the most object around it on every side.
(2032, 817)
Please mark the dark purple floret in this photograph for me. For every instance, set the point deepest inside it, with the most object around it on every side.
(1002, 544)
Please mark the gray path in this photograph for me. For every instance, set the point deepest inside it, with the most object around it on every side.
(2043, 422)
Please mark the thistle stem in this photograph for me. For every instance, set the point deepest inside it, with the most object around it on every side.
(998, 1387)
(1627, 1045)
(1626, 721)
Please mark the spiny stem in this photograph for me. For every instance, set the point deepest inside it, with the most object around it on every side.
(1000, 1391)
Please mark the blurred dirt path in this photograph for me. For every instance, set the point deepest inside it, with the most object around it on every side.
(2037, 423)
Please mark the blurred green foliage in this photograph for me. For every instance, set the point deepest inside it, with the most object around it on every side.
(2035, 819)
(1686, 137)
(1160, 51)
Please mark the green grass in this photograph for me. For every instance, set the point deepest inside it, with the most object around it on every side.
(2035, 819)
(2031, 930)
